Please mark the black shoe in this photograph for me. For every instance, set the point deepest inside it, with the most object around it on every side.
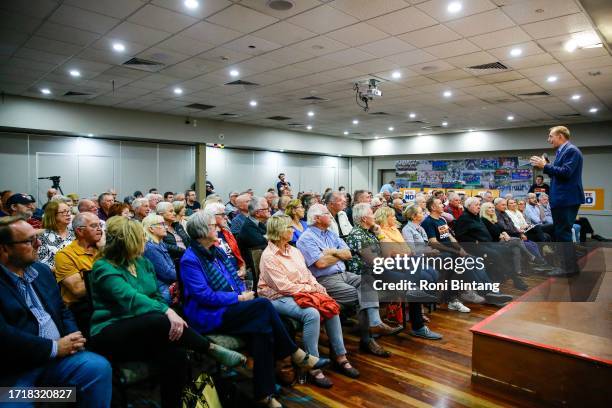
(520, 284)
(561, 273)
(319, 382)
(497, 299)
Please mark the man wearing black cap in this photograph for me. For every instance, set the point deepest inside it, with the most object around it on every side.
(23, 205)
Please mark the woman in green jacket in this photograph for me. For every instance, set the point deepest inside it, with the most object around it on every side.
(130, 320)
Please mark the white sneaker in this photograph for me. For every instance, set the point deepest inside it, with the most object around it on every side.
(458, 306)
(469, 296)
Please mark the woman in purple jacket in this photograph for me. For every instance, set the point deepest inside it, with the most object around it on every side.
(215, 301)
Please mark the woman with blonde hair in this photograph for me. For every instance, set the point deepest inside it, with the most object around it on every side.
(176, 240)
(157, 252)
(295, 210)
(130, 320)
(57, 235)
(179, 212)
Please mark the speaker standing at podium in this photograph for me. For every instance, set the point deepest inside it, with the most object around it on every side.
(566, 192)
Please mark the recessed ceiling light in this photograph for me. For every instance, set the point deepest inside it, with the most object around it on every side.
(355, 122)
(375, 137)
(391, 128)
(515, 52)
(552, 78)
(118, 47)
(345, 132)
(510, 117)
(282, 150)
(447, 94)
(178, 91)
(454, 7)
(253, 103)
(575, 97)
(593, 110)
(419, 134)
(444, 123)
(412, 115)
(90, 135)
(309, 127)
(191, 4)
(571, 45)
(234, 73)
(396, 75)
(339, 155)
(75, 73)
(470, 130)
(46, 91)
(310, 113)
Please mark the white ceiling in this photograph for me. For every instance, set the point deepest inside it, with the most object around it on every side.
(316, 48)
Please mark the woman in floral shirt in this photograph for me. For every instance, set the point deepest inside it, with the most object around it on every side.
(56, 219)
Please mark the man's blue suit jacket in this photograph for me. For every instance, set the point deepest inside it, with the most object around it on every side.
(566, 177)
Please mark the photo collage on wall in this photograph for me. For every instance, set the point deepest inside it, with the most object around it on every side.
(506, 174)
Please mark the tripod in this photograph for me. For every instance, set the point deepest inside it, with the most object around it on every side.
(56, 182)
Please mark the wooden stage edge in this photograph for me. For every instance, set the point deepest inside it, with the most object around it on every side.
(557, 353)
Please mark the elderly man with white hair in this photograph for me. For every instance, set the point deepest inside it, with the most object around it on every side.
(141, 208)
(340, 224)
(325, 254)
(253, 231)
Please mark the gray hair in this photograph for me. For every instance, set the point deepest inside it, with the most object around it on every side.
(82, 203)
(163, 206)
(255, 204)
(61, 199)
(214, 207)
(314, 211)
(80, 220)
(197, 225)
(138, 202)
(359, 211)
(452, 196)
(178, 206)
(543, 195)
(411, 211)
(498, 200)
(471, 201)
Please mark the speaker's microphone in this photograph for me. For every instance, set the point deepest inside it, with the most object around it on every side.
(545, 156)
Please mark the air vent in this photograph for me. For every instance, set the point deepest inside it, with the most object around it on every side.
(280, 5)
(229, 115)
(490, 68)
(379, 113)
(279, 118)
(199, 106)
(75, 93)
(314, 98)
(432, 127)
(144, 65)
(417, 122)
(541, 93)
(295, 125)
(241, 82)
(570, 115)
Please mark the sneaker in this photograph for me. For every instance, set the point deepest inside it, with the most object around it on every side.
(458, 306)
(497, 299)
(425, 333)
(469, 296)
(227, 357)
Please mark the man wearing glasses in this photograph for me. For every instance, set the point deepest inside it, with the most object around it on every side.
(41, 345)
(253, 231)
(71, 261)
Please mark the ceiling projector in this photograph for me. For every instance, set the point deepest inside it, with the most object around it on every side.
(366, 92)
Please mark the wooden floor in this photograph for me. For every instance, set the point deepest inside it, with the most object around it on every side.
(420, 373)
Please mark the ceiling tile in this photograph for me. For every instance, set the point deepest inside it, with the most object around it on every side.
(350, 56)
(428, 68)
(18, 22)
(298, 7)
(288, 55)
(112, 8)
(469, 60)
(224, 55)
(530, 61)
(205, 9)
(35, 8)
(323, 19)
(241, 19)
(403, 21)
(357, 34)
(251, 45)
(430, 36)
(493, 20)
(411, 57)
(320, 45)
(161, 19)
(67, 34)
(509, 36)
(48, 45)
(127, 31)
(437, 9)
(365, 9)
(185, 45)
(162, 55)
(386, 47)
(558, 26)
(85, 20)
(501, 77)
(527, 49)
(453, 48)
(538, 10)
(212, 33)
(377, 65)
(284, 33)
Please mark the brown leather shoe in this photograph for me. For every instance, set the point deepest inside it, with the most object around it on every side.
(373, 347)
(323, 382)
(384, 329)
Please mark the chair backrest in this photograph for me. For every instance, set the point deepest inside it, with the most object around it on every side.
(256, 255)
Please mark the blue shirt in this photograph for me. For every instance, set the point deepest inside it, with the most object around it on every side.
(237, 223)
(548, 219)
(165, 270)
(532, 214)
(46, 326)
(387, 187)
(313, 242)
(297, 233)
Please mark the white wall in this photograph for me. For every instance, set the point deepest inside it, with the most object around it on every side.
(89, 166)
(39, 116)
(236, 169)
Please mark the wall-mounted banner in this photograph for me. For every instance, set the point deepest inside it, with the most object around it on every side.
(593, 199)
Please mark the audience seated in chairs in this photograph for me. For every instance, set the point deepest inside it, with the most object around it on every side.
(241, 215)
(177, 240)
(336, 203)
(41, 344)
(121, 209)
(105, 202)
(515, 212)
(23, 205)
(73, 260)
(284, 278)
(157, 252)
(295, 211)
(252, 233)
(130, 320)
(215, 300)
(179, 212)
(325, 254)
(57, 235)
(141, 208)
(226, 239)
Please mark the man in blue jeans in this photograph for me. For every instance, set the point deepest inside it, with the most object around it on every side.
(40, 344)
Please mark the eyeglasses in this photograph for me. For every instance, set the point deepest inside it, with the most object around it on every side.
(220, 214)
(160, 225)
(92, 226)
(32, 241)
(65, 212)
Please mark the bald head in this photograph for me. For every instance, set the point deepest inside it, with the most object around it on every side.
(86, 205)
